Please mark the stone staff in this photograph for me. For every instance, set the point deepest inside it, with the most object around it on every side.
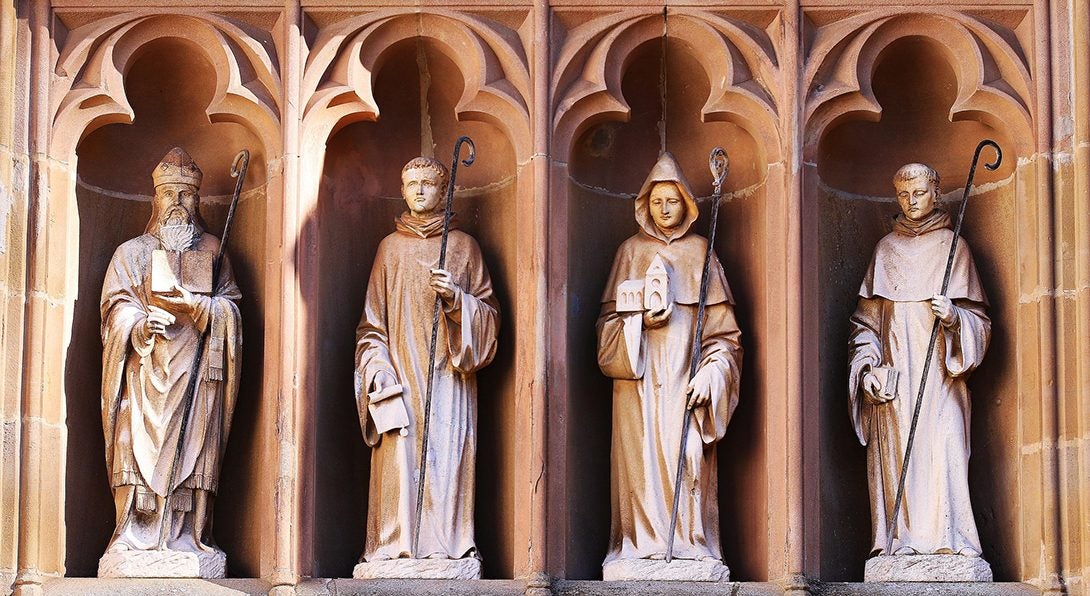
(447, 213)
(935, 331)
(719, 164)
(238, 170)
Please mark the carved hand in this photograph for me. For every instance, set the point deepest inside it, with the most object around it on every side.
(179, 301)
(157, 321)
(943, 308)
(443, 284)
(872, 388)
(699, 390)
(382, 380)
(657, 318)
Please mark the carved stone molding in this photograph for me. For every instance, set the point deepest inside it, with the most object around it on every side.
(992, 67)
(739, 57)
(88, 87)
(340, 69)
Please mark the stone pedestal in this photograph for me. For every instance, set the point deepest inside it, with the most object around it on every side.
(927, 568)
(676, 570)
(466, 568)
(163, 564)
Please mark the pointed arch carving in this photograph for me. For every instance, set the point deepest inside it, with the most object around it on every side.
(993, 72)
(339, 73)
(740, 60)
(88, 88)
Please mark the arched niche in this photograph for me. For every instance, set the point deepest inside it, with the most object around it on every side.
(416, 88)
(915, 82)
(169, 84)
(609, 159)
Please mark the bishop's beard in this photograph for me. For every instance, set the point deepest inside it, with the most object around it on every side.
(176, 229)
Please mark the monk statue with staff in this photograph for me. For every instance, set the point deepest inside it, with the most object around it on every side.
(919, 330)
(668, 338)
(430, 322)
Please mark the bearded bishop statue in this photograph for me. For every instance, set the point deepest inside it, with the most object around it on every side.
(163, 457)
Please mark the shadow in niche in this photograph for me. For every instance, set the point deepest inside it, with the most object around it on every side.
(113, 200)
(359, 198)
(609, 163)
(855, 206)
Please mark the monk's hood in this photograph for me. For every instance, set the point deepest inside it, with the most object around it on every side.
(666, 169)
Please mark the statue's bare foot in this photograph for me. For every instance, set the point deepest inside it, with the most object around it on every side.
(658, 557)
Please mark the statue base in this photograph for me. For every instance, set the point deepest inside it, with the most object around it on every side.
(927, 568)
(464, 568)
(163, 564)
(659, 570)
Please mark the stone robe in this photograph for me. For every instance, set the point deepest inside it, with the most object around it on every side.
(650, 372)
(144, 381)
(394, 336)
(892, 327)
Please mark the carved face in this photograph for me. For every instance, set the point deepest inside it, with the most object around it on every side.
(421, 191)
(917, 197)
(176, 203)
(667, 206)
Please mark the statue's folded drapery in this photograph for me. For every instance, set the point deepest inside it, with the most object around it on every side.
(393, 337)
(144, 380)
(891, 327)
(650, 372)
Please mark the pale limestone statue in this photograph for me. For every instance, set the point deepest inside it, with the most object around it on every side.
(157, 301)
(935, 538)
(393, 340)
(644, 345)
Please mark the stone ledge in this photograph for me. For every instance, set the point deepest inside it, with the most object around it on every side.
(420, 587)
(653, 588)
(87, 586)
(927, 568)
(925, 589)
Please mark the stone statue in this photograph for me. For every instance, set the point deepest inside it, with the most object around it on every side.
(157, 301)
(393, 340)
(645, 332)
(891, 328)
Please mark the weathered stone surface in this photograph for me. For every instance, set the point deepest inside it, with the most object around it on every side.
(421, 587)
(653, 588)
(87, 586)
(925, 589)
(162, 564)
(927, 568)
(676, 570)
(467, 568)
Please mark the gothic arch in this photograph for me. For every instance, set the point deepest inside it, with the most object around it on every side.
(339, 73)
(89, 90)
(739, 59)
(993, 76)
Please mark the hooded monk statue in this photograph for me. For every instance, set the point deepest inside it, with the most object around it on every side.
(644, 345)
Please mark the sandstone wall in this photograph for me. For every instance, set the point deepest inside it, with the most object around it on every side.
(569, 102)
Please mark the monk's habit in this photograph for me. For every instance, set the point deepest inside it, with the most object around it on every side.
(650, 372)
(891, 327)
(393, 337)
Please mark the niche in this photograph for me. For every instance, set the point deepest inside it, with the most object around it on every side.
(853, 205)
(113, 193)
(417, 89)
(608, 163)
